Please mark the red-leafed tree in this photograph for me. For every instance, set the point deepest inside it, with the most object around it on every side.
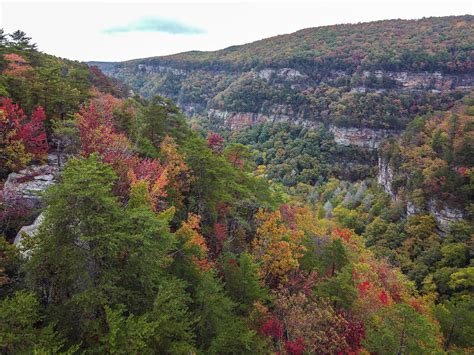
(354, 334)
(21, 139)
(273, 328)
(33, 134)
(98, 134)
(215, 142)
(295, 347)
(220, 235)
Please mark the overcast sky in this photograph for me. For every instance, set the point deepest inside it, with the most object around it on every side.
(109, 31)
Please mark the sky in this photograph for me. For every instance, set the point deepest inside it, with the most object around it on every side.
(117, 31)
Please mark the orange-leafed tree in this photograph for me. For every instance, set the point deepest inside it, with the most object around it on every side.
(193, 241)
(17, 65)
(276, 246)
(178, 173)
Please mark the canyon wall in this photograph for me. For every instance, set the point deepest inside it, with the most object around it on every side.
(443, 214)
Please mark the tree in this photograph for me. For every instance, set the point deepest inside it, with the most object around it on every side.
(20, 139)
(21, 41)
(463, 279)
(33, 134)
(17, 65)
(99, 134)
(333, 257)
(242, 281)
(456, 318)
(277, 247)
(215, 142)
(399, 329)
(219, 330)
(339, 289)
(3, 37)
(77, 246)
(321, 329)
(194, 244)
(161, 118)
(237, 154)
(166, 328)
(21, 330)
(178, 173)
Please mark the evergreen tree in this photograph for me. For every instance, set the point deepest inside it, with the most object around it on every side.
(400, 329)
(242, 281)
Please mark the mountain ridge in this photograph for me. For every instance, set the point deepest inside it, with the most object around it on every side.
(377, 75)
(285, 36)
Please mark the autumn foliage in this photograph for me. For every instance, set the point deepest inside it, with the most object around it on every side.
(22, 139)
(98, 134)
(159, 240)
(17, 65)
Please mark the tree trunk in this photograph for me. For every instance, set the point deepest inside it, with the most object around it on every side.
(450, 336)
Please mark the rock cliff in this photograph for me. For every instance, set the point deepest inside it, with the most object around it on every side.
(443, 214)
(347, 77)
(385, 177)
(362, 137)
(30, 182)
(28, 185)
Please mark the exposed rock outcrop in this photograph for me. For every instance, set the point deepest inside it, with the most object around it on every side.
(28, 185)
(287, 74)
(444, 215)
(30, 182)
(239, 120)
(385, 177)
(362, 137)
(411, 209)
(30, 230)
(424, 80)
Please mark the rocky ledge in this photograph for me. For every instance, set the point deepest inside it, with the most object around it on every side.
(29, 183)
(362, 137)
(27, 186)
(444, 215)
(239, 120)
(30, 230)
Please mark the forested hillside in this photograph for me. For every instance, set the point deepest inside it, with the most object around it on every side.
(377, 75)
(157, 238)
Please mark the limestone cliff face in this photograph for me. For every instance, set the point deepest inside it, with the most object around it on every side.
(443, 214)
(30, 231)
(362, 137)
(239, 120)
(348, 136)
(202, 91)
(385, 177)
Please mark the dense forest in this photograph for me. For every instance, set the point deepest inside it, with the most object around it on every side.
(378, 74)
(162, 238)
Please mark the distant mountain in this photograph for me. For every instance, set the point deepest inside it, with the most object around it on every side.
(376, 75)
